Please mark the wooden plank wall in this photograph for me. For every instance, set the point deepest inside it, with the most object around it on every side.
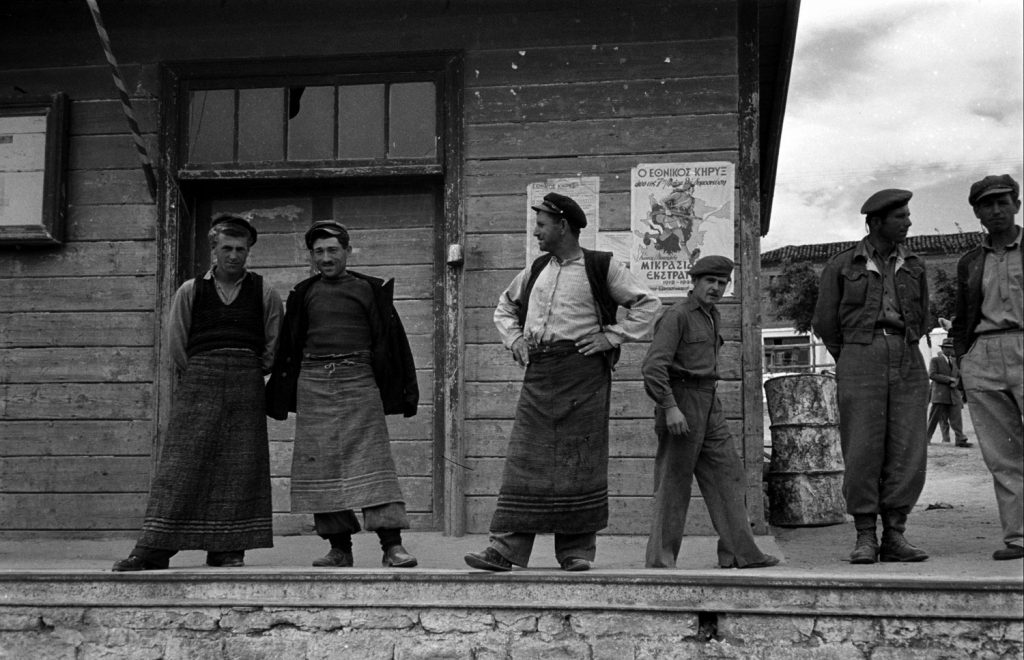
(550, 89)
(77, 323)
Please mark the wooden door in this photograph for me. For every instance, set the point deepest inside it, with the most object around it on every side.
(395, 233)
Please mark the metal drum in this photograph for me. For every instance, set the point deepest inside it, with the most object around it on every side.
(805, 476)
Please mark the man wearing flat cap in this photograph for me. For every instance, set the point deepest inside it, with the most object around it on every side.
(987, 338)
(871, 311)
(211, 490)
(681, 373)
(946, 400)
(558, 318)
(343, 363)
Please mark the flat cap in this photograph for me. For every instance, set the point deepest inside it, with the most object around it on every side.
(993, 184)
(564, 207)
(715, 265)
(326, 229)
(236, 221)
(886, 200)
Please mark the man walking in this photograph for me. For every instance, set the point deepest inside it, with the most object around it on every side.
(871, 312)
(987, 338)
(558, 318)
(211, 490)
(342, 345)
(680, 373)
(947, 406)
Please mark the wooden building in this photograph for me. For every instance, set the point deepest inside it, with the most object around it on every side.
(418, 124)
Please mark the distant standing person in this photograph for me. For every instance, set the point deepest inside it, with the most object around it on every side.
(871, 312)
(335, 359)
(987, 337)
(681, 373)
(211, 490)
(558, 318)
(947, 404)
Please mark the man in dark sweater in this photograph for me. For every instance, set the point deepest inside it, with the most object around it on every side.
(334, 325)
(211, 490)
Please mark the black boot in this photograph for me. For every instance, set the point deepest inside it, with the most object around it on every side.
(865, 551)
(894, 546)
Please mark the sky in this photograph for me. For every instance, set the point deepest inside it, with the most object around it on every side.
(924, 95)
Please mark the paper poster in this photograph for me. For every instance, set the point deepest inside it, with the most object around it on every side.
(679, 212)
(584, 190)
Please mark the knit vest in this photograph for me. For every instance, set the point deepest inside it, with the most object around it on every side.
(216, 325)
(596, 264)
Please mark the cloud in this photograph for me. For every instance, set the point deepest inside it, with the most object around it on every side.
(912, 94)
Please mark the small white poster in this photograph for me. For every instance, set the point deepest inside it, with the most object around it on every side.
(585, 191)
(679, 212)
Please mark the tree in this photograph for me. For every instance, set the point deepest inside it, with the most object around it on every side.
(794, 293)
(942, 296)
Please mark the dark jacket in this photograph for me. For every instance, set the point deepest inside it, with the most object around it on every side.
(943, 373)
(850, 299)
(969, 295)
(392, 361)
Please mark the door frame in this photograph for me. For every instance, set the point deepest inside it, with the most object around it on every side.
(180, 187)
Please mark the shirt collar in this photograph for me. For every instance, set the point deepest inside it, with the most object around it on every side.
(986, 241)
(868, 252)
(210, 273)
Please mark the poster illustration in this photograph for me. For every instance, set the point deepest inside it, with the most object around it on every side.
(679, 212)
(584, 190)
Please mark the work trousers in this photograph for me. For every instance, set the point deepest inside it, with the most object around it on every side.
(946, 416)
(882, 392)
(992, 372)
(707, 451)
(518, 546)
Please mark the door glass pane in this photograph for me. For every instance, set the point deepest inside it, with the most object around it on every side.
(212, 126)
(311, 123)
(361, 122)
(412, 122)
(260, 124)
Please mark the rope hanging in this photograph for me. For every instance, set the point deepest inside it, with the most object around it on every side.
(126, 104)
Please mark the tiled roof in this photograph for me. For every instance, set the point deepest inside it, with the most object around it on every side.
(924, 244)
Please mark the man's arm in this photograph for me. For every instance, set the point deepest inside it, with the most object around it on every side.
(273, 313)
(933, 372)
(506, 319)
(655, 369)
(179, 324)
(826, 310)
(642, 306)
(959, 330)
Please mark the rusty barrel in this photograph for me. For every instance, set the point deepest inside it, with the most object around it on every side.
(805, 476)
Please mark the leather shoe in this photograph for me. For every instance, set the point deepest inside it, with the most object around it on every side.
(896, 548)
(769, 560)
(135, 563)
(225, 559)
(1009, 552)
(575, 564)
(866, 549)
(488, 560)
(336, 558)
(965, 444)
(398, 557)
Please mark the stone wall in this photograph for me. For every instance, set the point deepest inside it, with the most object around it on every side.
(395, 633)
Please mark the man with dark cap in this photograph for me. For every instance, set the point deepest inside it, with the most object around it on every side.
(680, 373)
(987, 337)
(558, 318)
(871, 311)
(211, 490)
(342, 344)
(946, 400)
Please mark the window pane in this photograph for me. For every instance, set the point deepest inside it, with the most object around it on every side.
(260, 124)
(311, 127)
(212, 126)
(412, 123)
(361, 121)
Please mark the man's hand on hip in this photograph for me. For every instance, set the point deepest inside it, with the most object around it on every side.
(594, 344)
(520, 352)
